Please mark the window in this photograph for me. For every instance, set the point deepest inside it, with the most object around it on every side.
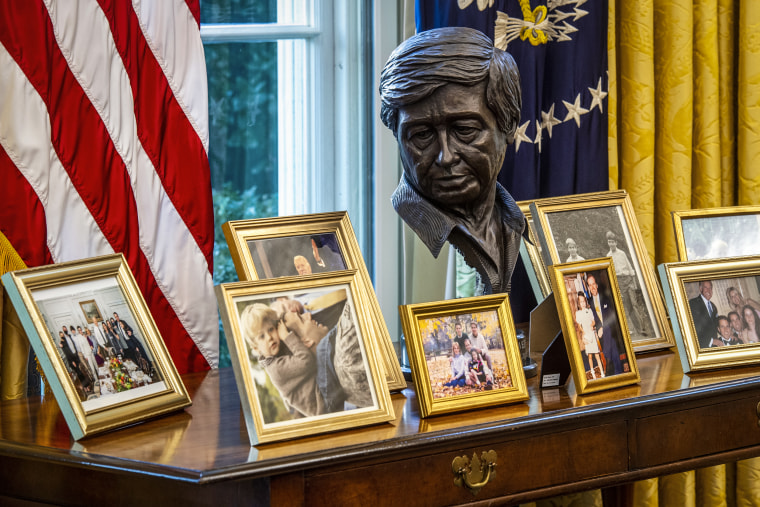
(291, 117)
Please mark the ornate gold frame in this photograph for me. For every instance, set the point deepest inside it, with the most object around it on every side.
(570, 333)
(81, 305)
(543, 209)
(675, 275)
(239, 232)
(531, 257)
(411, 317)
(166, 396)
(259, 431)
(679, 217)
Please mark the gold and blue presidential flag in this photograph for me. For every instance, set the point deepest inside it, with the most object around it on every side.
(560, 47)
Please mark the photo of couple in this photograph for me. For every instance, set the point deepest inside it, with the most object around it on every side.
(596, 323)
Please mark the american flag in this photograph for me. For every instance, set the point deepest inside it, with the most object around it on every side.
(560, 47)
(103, 149)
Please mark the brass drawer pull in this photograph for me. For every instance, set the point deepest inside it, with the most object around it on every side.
(475, 475)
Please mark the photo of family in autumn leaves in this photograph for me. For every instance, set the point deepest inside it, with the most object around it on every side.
(465, 354)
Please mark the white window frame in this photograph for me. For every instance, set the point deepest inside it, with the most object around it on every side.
(328, 146)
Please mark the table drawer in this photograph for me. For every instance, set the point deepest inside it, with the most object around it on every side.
(686, 434)
(541, 461)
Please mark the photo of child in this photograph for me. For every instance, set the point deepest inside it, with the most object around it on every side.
(308, 348)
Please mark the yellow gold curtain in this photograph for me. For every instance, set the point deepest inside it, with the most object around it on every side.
(684, 109)
(684, 116)
(14, 346)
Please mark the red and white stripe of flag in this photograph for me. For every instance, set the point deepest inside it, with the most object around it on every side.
(103, 148)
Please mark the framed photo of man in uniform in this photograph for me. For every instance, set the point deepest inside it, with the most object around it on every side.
(300, 245)
(603, 224)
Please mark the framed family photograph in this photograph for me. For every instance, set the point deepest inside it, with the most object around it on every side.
(715, 309)
(97, 343)
(593, 325)
(530, 253)
(300, 245)
(603, 224)
(464, 354)
(717, 233)
(304, 355)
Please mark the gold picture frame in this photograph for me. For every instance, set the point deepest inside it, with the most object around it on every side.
(717, 233)
(90, 310)
(591, 221)
(431, 337)
(530, 253)
(593, 324)
(731, 286)
(250, 240)
(316, 382)
(125, 376)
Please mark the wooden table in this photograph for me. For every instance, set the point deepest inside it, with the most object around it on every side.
(555, 443)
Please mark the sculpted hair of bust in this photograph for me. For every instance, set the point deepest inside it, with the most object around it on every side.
(465, 56)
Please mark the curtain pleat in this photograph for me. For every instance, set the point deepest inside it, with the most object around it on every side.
(14, 346)
(677, 489)
(687, 132)
(645, 493)
(748, 116)
(711, 486)
(747, 477)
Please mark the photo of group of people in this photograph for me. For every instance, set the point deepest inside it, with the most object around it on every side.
(597, 327)
(102, 351)
(306, 353)
(725, 312)
(465, 353)
(296, 255)
(599, 232)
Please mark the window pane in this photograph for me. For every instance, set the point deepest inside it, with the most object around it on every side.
(238, 11)
(242, 81)
(255, 11)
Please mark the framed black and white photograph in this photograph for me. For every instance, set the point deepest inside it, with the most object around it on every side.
(96, 342)
(304, 359)
(603, 224)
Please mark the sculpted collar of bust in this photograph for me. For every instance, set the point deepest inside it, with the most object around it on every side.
(453, 102)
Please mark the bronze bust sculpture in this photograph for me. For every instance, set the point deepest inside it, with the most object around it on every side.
(453, 103)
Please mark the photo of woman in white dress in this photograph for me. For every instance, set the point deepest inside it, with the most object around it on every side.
(584, 317)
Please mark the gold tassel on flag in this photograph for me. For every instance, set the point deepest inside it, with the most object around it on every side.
(14, 345)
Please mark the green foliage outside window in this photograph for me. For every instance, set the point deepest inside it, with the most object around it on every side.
(242, 86)
(231, 204)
